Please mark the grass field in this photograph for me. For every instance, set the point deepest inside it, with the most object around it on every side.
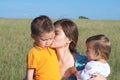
(15, 41)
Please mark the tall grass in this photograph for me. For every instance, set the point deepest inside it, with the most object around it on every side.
(15, 41)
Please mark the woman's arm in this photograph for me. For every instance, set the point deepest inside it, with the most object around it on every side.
(30, 73)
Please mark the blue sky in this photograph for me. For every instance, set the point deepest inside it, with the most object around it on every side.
(93, 9)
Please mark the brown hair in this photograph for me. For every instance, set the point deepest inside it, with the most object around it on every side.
(101, 44)
(70, 30)
(41, 24)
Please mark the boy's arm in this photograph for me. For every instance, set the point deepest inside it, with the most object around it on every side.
(30, 73)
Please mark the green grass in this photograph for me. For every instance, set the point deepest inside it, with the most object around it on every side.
(15, 41)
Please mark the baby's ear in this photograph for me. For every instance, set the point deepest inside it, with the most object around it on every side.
(98, 53)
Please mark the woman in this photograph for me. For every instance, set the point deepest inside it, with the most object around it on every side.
(65, 43)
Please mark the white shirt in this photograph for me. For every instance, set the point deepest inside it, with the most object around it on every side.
(94, 67)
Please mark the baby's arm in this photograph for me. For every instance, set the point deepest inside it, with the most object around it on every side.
(97, 77)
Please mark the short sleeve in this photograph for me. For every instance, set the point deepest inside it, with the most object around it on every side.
(31, 60)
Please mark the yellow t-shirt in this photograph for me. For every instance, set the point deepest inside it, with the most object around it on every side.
(45, 63)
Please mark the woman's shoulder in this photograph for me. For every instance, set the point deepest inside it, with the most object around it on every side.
(80, 60)
(79, 56)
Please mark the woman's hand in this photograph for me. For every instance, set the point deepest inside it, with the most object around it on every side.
(71, 70)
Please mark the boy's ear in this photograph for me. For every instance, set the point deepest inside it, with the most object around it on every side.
(33, 36)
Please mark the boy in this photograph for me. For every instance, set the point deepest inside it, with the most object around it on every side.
(42, 63)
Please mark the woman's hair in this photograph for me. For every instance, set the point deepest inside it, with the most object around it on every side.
(41, 24)
(100, 44)
(70, 30)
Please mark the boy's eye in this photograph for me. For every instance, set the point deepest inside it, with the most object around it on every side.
(56, 32)
(43, 39)
(46, 39)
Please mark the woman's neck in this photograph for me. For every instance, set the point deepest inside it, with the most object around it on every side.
(63, 53)
(66, 60)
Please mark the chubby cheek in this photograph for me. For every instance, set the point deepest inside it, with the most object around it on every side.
(89, 57)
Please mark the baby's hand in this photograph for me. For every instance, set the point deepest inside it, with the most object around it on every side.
(97, 77)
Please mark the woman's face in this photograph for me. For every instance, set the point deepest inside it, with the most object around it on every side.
(60, 38)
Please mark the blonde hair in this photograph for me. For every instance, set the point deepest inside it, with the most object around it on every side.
(101, 45)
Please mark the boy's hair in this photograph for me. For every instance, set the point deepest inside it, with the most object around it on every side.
(101, 44)
(41, 24)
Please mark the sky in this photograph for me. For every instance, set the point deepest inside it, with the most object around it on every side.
(92, 9)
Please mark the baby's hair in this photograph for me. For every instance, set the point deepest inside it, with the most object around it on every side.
(101, 44)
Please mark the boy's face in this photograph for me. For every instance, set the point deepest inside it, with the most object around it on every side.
(45, 39)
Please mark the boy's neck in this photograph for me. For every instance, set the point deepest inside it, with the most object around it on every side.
(35, 44)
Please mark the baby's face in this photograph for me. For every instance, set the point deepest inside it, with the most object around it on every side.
(90, 51)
